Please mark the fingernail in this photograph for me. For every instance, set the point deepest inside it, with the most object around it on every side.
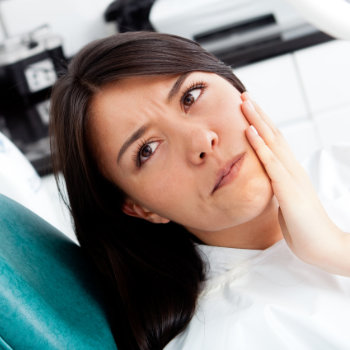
(250, 105)
(247, 94)
(254, 130)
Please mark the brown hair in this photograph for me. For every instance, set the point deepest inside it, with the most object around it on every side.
(151, 274)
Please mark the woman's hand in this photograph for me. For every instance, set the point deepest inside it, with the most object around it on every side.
(305, 225)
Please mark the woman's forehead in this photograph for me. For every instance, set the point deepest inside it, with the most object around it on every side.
(120, 101)
(130, 93)
(143, 85)
(127, 94)
(138, 81)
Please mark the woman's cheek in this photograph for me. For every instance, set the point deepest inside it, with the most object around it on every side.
(229, 109)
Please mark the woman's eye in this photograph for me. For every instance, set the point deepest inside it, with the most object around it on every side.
(146, 151)
(191, 97)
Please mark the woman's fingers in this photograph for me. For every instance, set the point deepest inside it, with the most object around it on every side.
(245, 97)
(254, 118)
(273, 138)
(287, 176)
(280, 177)
(264, 126)
(304, 223)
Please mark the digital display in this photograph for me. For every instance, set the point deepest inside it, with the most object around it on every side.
(40, 75)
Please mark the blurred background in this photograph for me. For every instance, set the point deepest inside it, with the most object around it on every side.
(298, 72)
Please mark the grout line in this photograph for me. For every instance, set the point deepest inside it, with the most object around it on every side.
(305, 99)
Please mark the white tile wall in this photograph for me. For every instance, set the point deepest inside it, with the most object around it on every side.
(334, 125)
(275, 85)
(306, 93)
(325, 74)
(302, 137)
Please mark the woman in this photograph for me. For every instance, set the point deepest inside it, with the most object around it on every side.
(152, 136)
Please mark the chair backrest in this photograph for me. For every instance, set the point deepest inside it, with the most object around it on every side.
(48, 294)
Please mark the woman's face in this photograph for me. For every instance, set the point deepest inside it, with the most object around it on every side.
(169, 141)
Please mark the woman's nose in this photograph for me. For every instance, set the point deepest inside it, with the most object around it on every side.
(201, 144)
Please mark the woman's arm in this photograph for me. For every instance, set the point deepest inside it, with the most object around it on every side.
(308, 230)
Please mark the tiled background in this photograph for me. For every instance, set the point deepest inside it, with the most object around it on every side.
(306, 93)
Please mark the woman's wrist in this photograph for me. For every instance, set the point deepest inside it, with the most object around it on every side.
(331, 252)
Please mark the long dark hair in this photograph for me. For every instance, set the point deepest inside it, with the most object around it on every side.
(151, 273)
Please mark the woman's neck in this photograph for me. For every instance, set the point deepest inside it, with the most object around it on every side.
(259, 233)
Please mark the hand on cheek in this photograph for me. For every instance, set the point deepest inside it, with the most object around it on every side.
(304, 223)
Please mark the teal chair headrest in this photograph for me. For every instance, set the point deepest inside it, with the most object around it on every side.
(48, 294)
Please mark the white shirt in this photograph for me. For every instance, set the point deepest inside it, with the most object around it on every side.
(269, 299)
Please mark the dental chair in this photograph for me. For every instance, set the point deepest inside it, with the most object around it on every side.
(49, 296)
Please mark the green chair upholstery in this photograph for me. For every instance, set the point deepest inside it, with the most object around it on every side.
(48, 295)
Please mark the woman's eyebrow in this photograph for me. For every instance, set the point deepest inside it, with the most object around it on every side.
(135, 136)
(142, 130)
(176, 87)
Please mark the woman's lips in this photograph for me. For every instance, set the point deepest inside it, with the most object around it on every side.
(229, 172)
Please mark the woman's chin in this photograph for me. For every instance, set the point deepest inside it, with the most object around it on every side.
(256, 199)
(239, 212)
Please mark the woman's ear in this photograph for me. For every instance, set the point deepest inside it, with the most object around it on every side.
(133, 209)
